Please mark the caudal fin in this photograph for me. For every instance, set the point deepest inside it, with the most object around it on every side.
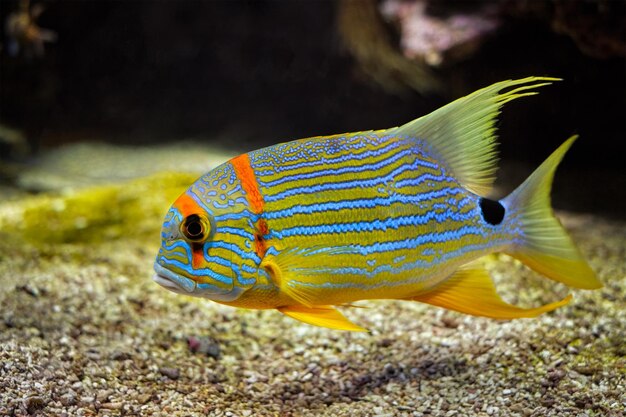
(543, 244)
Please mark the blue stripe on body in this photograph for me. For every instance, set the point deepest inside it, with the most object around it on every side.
(177, 244)
(360, 203)
(235, 231)
(234, 190)
(230, 203)
(277, 165)
(313, 148)
(232, 247)
(347, 169)
(200, 201)
(398, 269)
(244, 214)
(413, 242)
(342, 185)
(427, 176)
(384, 268)
(374, 225)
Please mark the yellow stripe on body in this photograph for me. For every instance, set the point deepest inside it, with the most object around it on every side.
(343, 277)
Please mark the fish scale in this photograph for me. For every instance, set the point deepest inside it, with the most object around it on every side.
(399, 213)
(350, 225)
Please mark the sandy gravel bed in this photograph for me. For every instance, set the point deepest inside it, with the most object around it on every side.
(84, 332)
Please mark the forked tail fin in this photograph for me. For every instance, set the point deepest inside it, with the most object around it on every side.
(542, 243)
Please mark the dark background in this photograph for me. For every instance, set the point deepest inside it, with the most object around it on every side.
(248, 74)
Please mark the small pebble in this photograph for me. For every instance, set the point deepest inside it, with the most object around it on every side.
(68, 399)
(112, 406)
(204, 344)
(34, 404)
(586, 370)
(144, 398)
(171, 373)
(120, 355)
(30, 290)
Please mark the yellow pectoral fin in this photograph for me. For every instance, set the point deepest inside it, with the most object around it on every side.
(295, 271)
(471, 291)
(323, 316)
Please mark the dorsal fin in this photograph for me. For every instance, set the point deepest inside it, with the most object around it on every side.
(462, 134)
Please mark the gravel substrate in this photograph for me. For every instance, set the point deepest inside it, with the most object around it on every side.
(84, 331)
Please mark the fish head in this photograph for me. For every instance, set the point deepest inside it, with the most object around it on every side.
(204, 242)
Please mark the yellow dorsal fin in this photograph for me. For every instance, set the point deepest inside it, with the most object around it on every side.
(323, 316)
(462, 134)
(471, 291)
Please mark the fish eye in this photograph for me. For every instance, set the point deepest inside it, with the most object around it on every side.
(195, 228)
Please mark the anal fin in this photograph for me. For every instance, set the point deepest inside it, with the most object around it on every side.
(471, 291)
(323, 316)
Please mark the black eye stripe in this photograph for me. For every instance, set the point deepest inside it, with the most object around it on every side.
(492, 211)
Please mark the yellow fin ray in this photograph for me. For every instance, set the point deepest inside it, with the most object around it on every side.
(545, 246)
(290, 265)
(323, 316)
(471, 291)
(462, 133)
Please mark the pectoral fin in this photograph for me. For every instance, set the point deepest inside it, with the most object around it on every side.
(323, 316)
(471, 291)
(297, 272)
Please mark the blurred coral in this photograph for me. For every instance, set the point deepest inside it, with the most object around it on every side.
(440, 39)
(24, 33)
(364, 34)
(598, 28)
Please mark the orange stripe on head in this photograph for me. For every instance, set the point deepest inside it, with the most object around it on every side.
(246, 175)
(187, 205)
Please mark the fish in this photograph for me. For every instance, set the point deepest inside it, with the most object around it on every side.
(306, 226)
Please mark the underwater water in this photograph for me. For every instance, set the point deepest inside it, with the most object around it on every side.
(93, 157)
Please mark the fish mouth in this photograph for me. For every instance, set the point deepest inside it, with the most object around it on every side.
(173, 281)
(186, 286)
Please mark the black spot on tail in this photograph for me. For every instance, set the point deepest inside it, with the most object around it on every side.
(493, 211)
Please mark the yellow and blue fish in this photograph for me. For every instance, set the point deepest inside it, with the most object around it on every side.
(401, 213)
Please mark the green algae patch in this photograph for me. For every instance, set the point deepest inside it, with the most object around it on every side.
(132, 209)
